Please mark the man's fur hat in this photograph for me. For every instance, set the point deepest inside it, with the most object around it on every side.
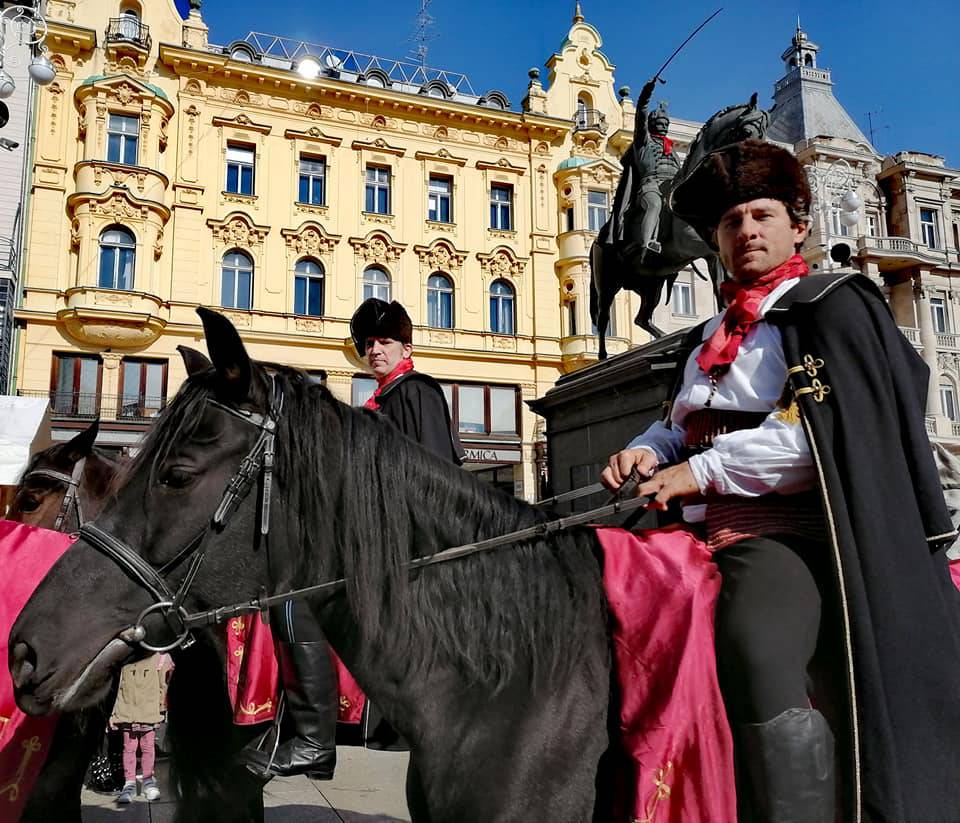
(738, 173)
(377, 318)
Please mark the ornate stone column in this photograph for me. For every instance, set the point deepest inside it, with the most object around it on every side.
(928, 339)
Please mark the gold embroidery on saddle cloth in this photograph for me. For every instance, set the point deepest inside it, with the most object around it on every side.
(252, 709)
(30, 746)
(662, 792)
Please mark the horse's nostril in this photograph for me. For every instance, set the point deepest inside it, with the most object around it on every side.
(23, 663)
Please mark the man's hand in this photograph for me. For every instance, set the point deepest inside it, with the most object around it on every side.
(676, 481)
(622, 463)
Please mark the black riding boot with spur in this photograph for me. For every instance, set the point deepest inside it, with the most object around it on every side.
(787, 768)
(310, 695)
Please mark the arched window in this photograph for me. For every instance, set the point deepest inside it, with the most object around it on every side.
(130, 24)
(439, 302)
(236, 288)
(308, 288)
(376, 283)
(118, 252)
(502, 302)
(808, 60)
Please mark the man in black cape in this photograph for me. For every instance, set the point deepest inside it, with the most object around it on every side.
(799, 423)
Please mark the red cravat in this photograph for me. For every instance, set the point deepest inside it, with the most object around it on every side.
(720, 350)
(402, 368)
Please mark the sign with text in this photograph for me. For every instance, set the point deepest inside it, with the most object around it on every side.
(480, 455)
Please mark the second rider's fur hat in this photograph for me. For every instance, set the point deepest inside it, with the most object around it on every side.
(749, 170)
(377, 318)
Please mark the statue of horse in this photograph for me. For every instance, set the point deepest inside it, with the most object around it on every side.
(204, 741)
(496, 668)
(618, 262)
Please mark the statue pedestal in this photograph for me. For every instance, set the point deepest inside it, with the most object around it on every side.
(595, 411)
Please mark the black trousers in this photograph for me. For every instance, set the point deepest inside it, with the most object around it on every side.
(768, 619)
(293, 622)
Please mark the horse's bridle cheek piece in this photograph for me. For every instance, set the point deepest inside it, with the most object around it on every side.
(168, 603)
(72, 496)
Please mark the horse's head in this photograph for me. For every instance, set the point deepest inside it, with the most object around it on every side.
(87, 617)
(64, 484)
(729, 125)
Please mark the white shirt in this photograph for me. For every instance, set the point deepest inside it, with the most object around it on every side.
(773, 457)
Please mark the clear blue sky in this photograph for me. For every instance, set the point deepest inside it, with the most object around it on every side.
(895, 57)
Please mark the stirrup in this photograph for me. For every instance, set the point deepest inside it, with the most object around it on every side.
(654, 246)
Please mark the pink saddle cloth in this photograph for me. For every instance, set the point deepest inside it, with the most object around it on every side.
(676, 744)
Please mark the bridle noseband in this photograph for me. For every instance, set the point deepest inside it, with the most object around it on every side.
(169, 603)
(72, 496)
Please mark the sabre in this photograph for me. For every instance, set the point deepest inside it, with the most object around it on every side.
(679, 48)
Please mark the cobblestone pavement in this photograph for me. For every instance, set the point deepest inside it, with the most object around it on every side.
(368, 788)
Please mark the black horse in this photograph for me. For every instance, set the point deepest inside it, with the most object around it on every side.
(495, 668)
(202, 737)
(60, 486)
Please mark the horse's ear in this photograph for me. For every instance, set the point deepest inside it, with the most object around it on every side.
(753, 100)
(228, 354)
(82, 445)
(194, 360)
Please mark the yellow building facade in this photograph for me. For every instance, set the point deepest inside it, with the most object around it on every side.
(170, 173)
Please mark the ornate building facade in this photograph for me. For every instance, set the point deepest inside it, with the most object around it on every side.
(284, 183)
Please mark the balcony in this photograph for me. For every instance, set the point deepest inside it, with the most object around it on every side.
(895, 253)
(90, 406)
(128, 30)
(590, 120)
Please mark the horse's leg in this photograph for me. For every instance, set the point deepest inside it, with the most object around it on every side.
(55, 797)
(649, 294)
(210, 781)
(603, 288)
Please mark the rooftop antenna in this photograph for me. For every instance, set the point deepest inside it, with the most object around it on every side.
(422, 34)
(874, 129)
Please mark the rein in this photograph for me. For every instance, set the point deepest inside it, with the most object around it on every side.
(169, 603)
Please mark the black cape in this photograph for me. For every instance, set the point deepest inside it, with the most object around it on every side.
(861, 390)
(415, 404)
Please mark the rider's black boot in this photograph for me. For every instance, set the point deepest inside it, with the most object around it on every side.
(787, 766)
(310, 694)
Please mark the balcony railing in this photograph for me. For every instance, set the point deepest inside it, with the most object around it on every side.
(912, 334)
(948, 341)
(590, 120)
(901, 245)
(128, 30)
(89, 405)
(931, 425)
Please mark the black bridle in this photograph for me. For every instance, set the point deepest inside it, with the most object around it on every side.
(169, 603)
(72, 496)
(260, 458)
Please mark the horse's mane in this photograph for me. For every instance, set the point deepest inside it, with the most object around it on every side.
(368, 499)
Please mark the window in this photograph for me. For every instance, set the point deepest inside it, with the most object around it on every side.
(308, 288)
(938, 311)
(611, 323)
(439, 208)
(76, 382)
(144, 385)
(502, 308)
(237, 281)
(928, 228)
(123, 133)
(361, 389)
(378, 190)
(129, 24)
(483, 410)
(439, 302)
(580, 118)
(948, 402)
(572, 318)
(240, 169)
(873, 225)
(118, 252)
(682, 299)
(570, 221)
(376, 283)
(836, 227)
(501, 207)
(597, 209)
(313, 180)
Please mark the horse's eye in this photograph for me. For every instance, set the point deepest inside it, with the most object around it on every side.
(28, 504)
(176, 478)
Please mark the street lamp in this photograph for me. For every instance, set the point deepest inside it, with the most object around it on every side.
(30, 29)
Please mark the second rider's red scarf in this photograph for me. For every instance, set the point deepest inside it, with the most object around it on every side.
(402, 368)
(720, 350)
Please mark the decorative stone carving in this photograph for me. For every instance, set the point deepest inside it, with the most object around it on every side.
(440, 338)
(238, 230)
(158, 244)
(193, 88)
(309, 324)
(377, 247)
(440, 256)
(502, 263)
(74, 233)
(504, 343)
(125, 93)
(310, 239)
(239, 318)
